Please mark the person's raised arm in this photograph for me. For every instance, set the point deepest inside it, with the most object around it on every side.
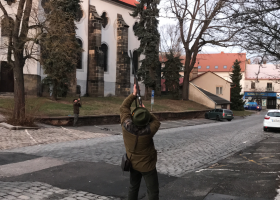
(125, 111)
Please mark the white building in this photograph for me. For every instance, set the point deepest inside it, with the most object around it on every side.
(105, 33)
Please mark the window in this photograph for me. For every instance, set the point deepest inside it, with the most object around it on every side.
(199, 67)
(135, 60)
(269, 85)
(225, 67)
(232, 67)
(104, 19)
(135, 27)
(253, 85)
(104, 49)
(79, 15)
(80, 56)
(207, 67)
(78, 89)
(216, 67)
(219, 90)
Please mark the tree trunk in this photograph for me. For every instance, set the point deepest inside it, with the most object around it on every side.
(19, 98)
(186, 83)
(146, 93)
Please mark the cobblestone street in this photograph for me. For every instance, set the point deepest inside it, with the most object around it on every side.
(191, 145)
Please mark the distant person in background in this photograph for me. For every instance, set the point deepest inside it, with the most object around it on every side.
(76, 106)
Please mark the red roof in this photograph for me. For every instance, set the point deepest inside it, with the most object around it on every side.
(130, 2)
(220, 62)
(212, 60)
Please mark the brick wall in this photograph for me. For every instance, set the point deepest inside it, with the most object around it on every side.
(123, 64)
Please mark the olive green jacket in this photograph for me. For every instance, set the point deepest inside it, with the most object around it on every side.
(76, 107)
(145, 156)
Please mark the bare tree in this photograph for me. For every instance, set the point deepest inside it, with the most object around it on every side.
(170, 39)
(202, 23)
(261, 36)
(21, 31)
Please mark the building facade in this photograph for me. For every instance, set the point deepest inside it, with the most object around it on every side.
(221, 64)
(105, 32)
(262, 85)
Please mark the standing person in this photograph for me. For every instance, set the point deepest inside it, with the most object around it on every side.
(76, 107)
(144, 125)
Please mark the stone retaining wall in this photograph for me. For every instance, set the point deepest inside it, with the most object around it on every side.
(115, 119)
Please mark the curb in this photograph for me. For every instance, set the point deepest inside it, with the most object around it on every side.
(11, 127)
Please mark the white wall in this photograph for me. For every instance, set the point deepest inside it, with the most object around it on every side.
(226, 76)
(261, 85)
(82, 34)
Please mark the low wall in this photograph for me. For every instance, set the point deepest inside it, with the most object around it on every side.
(115, 119)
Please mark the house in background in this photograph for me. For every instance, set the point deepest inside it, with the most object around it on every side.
(221, 64)
(211, 87)
(262, 84)
(208, 89)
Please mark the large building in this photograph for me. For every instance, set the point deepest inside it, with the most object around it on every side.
(221, 64)
(105, 32)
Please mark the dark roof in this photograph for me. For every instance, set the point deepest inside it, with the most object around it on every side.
(218, 100)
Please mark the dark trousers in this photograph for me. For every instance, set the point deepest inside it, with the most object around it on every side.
(151, 180)
(76, 117)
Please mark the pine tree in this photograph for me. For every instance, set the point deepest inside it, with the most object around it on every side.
(147, 32)
(236, 97)
(171, 74)
(60, 49)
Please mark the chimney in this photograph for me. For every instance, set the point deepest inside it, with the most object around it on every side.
(222, 52)
(194, 73)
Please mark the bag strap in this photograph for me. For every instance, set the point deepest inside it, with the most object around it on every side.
(136, 141)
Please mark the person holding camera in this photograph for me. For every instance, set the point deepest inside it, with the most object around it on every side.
(76, 106)
(139, 128)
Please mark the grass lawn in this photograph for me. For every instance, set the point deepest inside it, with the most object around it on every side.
(242, 113)
(42, 106)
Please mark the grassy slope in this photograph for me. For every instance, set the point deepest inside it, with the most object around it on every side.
(96, 106)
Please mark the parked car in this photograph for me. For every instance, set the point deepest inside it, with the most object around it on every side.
(259, 108)
(271, 120)
(252, 106)
(219, 114)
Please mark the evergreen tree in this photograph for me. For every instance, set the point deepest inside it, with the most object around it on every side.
(60, 49)
(171, 74)
(236, 97)
(147, 32)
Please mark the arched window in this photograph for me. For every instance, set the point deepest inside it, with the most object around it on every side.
(104, 49)
(80, 56)
(135, 60)
(104, 19)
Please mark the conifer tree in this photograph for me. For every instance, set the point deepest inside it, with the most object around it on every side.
(60, 49)
(236, 97)
(147, 32)
(171, 74)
